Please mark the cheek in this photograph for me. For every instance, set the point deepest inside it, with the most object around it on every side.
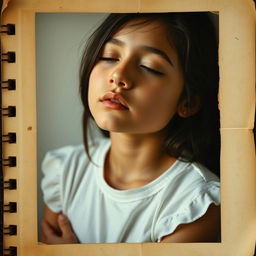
(94, 86)
(157, 107)
(93, 79)
(160, 101)
(92, 92)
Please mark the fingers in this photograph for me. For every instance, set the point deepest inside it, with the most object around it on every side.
(47, 230)
(64, 225)
(48, 234)
(66, 229)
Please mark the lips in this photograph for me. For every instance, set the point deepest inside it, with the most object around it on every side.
(114, 100)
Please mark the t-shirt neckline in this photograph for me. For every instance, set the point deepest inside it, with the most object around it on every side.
(134, 193)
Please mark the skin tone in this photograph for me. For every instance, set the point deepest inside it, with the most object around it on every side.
(151, 82)
(140, 65)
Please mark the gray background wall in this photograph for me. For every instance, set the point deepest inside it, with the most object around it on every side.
(60, 39)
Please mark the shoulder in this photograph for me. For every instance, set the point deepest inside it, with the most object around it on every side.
(203, 172)
(63, 169)
(190, 193)
(189, 180)
(196, 171)
(197, 183)
(205, 229)
(54, 166)
(71, 154)
(58, 156)
(193, 179)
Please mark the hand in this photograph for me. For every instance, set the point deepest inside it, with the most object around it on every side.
(65, 236)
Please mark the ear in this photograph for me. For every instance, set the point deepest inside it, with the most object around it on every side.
(183, 109)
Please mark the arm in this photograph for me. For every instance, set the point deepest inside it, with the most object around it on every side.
(205, 229)
(56, 228)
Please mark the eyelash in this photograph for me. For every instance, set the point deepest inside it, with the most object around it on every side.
(108, 59)
(153, 71)
(144, 67)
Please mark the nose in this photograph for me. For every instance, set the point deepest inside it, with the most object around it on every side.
(119, 77)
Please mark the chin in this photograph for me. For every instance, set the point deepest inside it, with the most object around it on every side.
(110, 126)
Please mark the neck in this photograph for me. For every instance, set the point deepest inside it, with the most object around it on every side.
(136, 158)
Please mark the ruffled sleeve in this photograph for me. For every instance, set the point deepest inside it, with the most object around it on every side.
(189, 212)
(53, 167)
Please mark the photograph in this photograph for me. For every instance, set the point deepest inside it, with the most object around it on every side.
(148, 83)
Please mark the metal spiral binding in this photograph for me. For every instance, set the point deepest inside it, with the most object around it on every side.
(11, 207)
(10, 57)
(11, 84)
(9, 29)
(11, 251)
(10, 161)
(10, 137)
(10, 184)
(10, 230)
(9, 111)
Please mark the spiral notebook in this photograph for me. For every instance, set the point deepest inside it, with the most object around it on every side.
(18, 176)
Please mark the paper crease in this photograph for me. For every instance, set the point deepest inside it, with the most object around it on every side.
(139, 5)
(236, 128)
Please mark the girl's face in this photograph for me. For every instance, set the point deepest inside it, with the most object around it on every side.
(135, 85)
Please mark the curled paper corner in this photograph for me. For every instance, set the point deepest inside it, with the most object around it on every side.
(4, 5)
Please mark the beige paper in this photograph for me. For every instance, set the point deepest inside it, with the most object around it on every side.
(237, 105)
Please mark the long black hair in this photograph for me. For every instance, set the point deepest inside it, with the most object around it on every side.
(195, 138)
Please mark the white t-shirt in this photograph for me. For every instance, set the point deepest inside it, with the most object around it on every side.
(101, 214)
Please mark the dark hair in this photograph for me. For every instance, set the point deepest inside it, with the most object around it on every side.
(195, 138)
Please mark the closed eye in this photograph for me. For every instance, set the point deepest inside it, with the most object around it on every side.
(108, 59)
(152, 70)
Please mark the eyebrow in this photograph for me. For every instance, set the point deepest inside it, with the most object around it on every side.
(144, 47)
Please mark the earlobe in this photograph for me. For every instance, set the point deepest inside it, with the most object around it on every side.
(183, 109)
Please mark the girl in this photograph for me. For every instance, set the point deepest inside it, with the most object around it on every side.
(150, 81)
